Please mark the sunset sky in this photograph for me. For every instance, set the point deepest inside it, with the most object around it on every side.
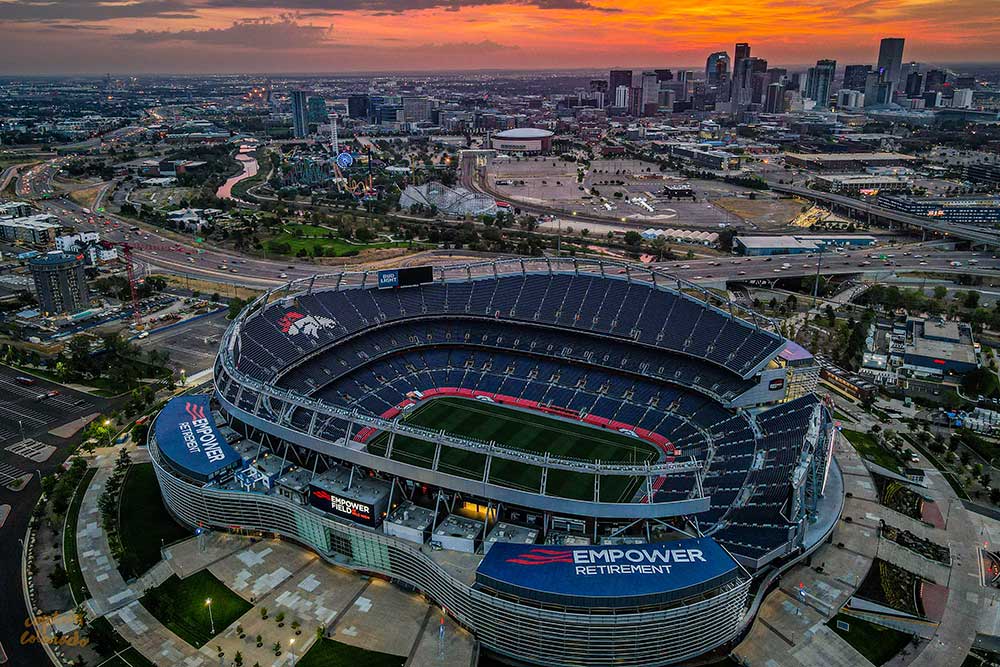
(331, 36)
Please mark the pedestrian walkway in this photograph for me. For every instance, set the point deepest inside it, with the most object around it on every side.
(111, 596)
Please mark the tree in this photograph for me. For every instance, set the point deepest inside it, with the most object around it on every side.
(58, 577)
(940, 292)
(971, 299)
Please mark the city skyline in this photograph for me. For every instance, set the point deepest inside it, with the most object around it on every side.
(327, 36)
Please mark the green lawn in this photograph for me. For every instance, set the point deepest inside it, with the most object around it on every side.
(313, 237)
(144, 524)
(526, 431)
(70, 559)
(329, 653)
(127, 658)
(876, 643)
(869, 449)
(180, 605)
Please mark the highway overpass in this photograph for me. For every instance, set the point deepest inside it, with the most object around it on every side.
(974, 234)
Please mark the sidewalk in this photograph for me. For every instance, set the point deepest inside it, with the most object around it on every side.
(115, 599)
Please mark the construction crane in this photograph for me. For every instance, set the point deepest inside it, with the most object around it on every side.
(133, 282)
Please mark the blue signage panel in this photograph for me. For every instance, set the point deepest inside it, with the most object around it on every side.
(186, 435)
(607, 575)
(388, 278)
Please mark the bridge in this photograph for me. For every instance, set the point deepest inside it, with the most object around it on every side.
(971, 233)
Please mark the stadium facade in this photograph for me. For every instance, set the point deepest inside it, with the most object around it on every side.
(313, 434)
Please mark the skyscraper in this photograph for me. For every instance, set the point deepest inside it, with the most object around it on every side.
(316, 109)
(890, 60)
(819, 81)
(598, 86)
(741, 53)
(622, 97)
(717, 68)
(357, 106)
(775, 100)
(650, 94)
(743, 82)
(855, 75)
(619, 77)
(300, 111)
(935, 79)
(914, 84)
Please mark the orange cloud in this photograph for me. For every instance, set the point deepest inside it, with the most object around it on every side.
(344, 35)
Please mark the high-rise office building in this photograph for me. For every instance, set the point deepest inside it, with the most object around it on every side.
(819, 82)
(300, 114)
(935, 79)
(598, 86)
(741, 53)
(743, 82)
(417, 109)
(855, 77)
(962, 99)
(776, 75)
(617, 78)
(848, 98)
(60, 282)
(717, 68)
(878, 90)
(775, 100)
(622, 97)
(316, 109)
(357, 106)
(650, 93)
(663, 75)
(914, 84)
(890, 60)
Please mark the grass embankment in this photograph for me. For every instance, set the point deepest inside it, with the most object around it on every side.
(322, 242)
(329, 653)
(869, 449)
(71, 559)
(144, 524)
(180, 605)
(878, 644)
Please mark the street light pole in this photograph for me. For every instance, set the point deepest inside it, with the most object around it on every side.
(819, 263)
(208, 603)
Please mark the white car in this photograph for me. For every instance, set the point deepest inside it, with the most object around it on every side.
(282, 275)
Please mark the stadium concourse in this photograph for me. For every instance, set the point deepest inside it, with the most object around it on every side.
(581, 462)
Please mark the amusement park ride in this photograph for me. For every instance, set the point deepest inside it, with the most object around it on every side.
(344, 160)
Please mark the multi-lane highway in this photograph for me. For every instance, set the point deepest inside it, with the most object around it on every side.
(182, 258)
(177, 254)
(974, 233)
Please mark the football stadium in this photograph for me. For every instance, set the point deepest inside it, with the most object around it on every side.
(581, 462)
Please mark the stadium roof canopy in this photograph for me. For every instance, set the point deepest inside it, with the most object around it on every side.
(523, 133)
(625, 575)
(187, 436)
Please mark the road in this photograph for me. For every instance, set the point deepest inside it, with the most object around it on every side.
(976, 234)
(182, 258)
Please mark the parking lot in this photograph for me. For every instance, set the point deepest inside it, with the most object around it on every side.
(27, 410)
(192, 345)
(617, 189)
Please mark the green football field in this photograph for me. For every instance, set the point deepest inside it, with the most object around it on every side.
(523, 430)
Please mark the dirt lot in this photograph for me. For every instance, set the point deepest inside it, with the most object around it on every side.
(764, 212)
(165, 198)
